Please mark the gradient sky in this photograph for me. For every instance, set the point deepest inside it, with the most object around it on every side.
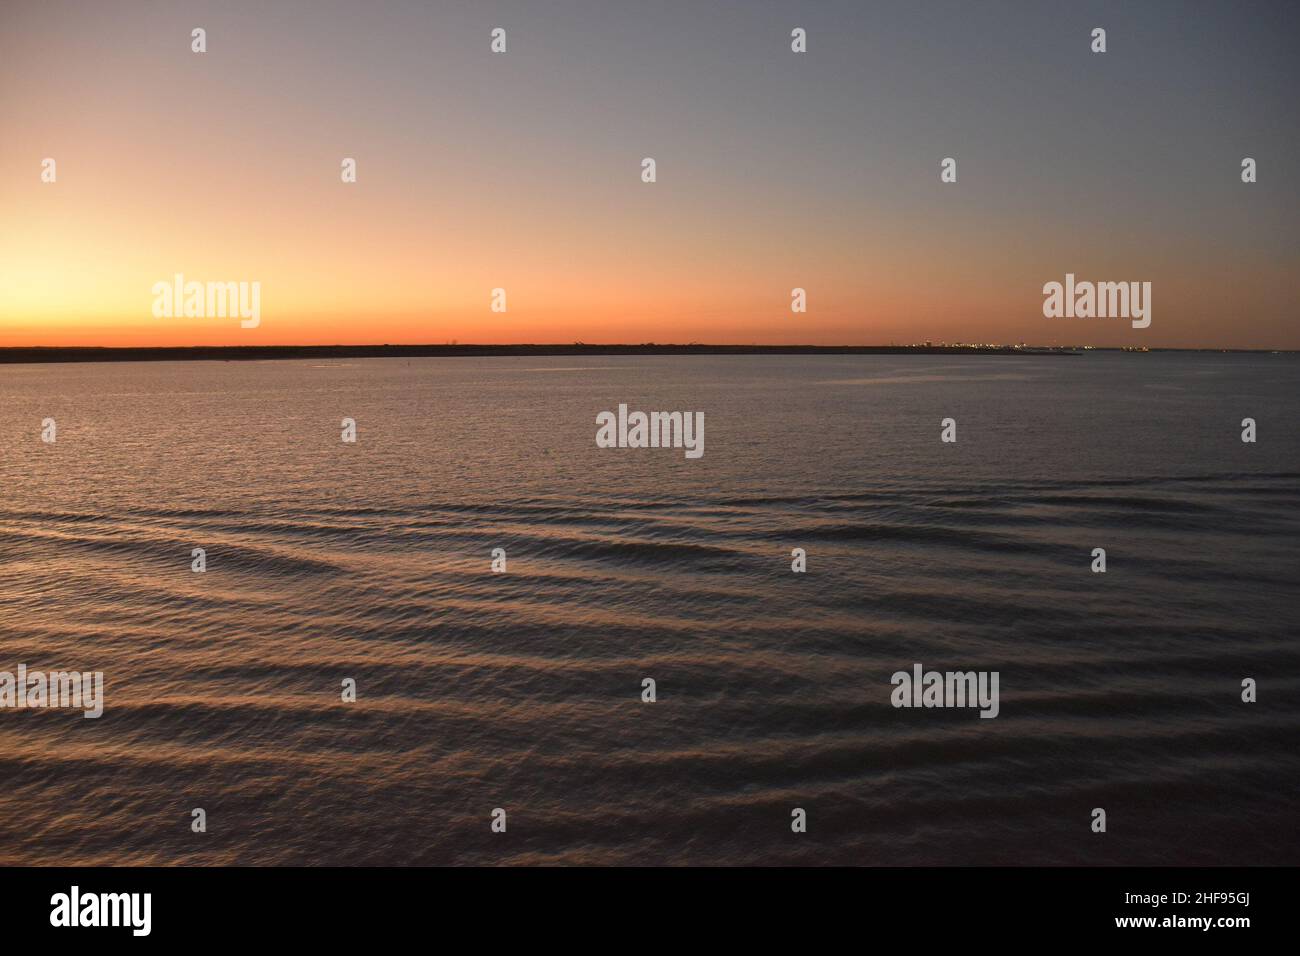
(775, 170)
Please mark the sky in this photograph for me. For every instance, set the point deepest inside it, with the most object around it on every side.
(522, 170)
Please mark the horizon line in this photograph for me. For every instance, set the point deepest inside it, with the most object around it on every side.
(42, 354)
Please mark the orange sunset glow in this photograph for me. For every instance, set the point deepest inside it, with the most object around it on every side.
(477, 172)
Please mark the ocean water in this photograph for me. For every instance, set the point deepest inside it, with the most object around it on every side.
(521, 690)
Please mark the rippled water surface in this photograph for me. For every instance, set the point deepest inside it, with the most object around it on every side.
(522, 690)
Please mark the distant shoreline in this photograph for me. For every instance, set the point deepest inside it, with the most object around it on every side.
(232, 353)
